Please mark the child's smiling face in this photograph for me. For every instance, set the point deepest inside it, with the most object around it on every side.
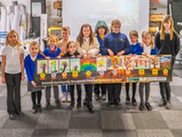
(52, 42)
(116, 28)
(133, 38)
(147, 39)
(72, 48)
(65, 34)
(34, 49)
(12, 38)
(86, 32)
(101, 30)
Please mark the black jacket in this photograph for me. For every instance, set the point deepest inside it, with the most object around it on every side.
(68, 54)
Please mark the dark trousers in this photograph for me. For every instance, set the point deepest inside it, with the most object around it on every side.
(147, 92)
(165, 91)
(13, 82)
(37, 95)
(48, 93)
(97, 90)
(79, 92)
(114, 91)
(88, 90)
(127, 86)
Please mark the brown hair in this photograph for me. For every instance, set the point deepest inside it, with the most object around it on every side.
(167, 18)
(144, 33)
(134, 33)
(80, 38)
(18, 43)
(68, 44)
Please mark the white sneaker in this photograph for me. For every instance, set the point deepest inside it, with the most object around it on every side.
(68, 97)
(63, 97)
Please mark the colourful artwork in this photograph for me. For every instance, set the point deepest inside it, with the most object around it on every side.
(128, 62)
(101, 64)
(89, 64)
(165, 62)
(53, 66)
(64, 65)
(155, 62)
(141, 63)
(114, 63)
(42, 66)
(75, 65)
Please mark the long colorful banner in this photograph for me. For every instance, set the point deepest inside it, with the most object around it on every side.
(103, 70)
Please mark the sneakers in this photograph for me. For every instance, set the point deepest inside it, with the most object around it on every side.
(118, 104)
(68, 96)
(19, 114)
(168, 105)
(34, 109)
(148, 106)
(72, 104)
(111, 104)
(39, 108)
(78, 106)
(141, 107)
(64, 97)
(90, 107)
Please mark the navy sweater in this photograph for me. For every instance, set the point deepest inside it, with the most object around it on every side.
(30, 66)
(136, 49)
(116, 42)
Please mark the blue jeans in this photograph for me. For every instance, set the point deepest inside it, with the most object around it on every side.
(65, 88)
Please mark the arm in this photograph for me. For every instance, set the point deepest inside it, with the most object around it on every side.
(22, 66)
(177, 45)
(27, 68)
(157, 41)
(104, 47)
(127, 47)
(3, 63)
(96, 48)
(80, 50)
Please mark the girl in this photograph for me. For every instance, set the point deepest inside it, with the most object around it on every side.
(54, 52)
(13, 72)
(65, 33)
(135, 50)
(71, 48)
(167, 42)
(29, 64)
(148, 48)
(101, 30)
(115, 43)
(87, 46)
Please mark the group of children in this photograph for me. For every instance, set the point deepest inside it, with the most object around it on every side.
(87, 45)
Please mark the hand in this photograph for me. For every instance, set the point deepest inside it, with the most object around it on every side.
(84, 56)
(144, 53)
(121, 53)
(34, 84)
(47, 58)
(22, 77)
(78, 56)
(99, 55)
(110, 52)
(58, 57)
(3, 80)
(73, 56)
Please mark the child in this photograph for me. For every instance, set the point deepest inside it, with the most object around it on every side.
(54, 52)
(71, 48)
(148, 48)
(167, 42)
(87, 46)
(13, 72)
(101, 30)
(29, 64)
(135, 50)
(65, 33)
(115, 43)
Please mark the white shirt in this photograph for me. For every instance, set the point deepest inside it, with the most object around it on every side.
(12, 65)
(147, 49)
(33, 58)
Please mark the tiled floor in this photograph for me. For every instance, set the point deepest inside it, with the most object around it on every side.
(105, 122)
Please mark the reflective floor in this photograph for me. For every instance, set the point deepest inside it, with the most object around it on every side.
(105, 122)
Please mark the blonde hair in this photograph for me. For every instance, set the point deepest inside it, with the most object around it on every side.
(115, 22)
(52, 37)
(66, 28)
(144, 33)
(167, 18)
(18, 43)
(80, 38)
